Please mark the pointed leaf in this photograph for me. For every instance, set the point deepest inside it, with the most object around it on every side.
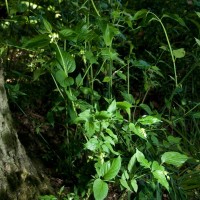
(124, 105)
(112, 107)
(125, 184)
(174, 158)
(142, 160)
(197, 41)
(131, 163)
(134, 185)
(38, 41)
(47, 25)
(148, 120)
(100, 189)
(138, 131)
(114, 169)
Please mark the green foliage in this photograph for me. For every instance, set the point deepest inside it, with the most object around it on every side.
(122, 82)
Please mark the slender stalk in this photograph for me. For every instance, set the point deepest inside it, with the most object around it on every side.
(7, 7)
(95, 8)
(169, 45)
(128, 78)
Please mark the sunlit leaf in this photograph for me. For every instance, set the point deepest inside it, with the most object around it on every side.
(102, 115)
(179, 53)
(124, 105)
(131, 163)
(100, 189)
(160, 174)
(114, 169)
(125, 184)
(197, 41)
(112, 107)
(142, 160)
(138, 130)
(174, 158)
(92, 144)
(134, 185)
(148, 120)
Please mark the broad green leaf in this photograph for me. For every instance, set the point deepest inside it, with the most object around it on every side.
(174, 158)
(148, 120)
(179, 53)
(138, 131)
(131, 163)
(124, 105)
(142, 160)
(92, 144)
(100, 189)
(112, 107)
(39, 41)
(66, 61)
(47, 25)
(134, 185)
(125, 184)
(114, 169)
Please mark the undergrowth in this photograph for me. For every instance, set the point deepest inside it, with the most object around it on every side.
(119, 89)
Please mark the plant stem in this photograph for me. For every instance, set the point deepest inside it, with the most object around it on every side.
(7, 7)
(169, 45)
(95, 8)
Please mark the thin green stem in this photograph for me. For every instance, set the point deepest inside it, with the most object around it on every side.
(7, 7)
(169, 45)
(95, 8)
(57, 86)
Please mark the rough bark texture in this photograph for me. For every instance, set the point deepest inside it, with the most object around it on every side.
(19, 179)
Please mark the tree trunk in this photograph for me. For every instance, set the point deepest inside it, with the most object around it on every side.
(19, 179)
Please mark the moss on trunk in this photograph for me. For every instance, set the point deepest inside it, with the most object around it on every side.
(19, 178)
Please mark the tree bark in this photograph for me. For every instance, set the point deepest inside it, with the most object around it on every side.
(19, 179)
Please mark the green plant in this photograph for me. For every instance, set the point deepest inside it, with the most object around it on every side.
(121, 96)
